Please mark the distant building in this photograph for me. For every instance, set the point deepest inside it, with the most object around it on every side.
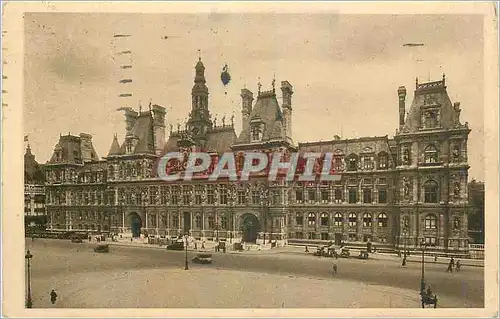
(406, 190)
(476, 217)
(34, 192)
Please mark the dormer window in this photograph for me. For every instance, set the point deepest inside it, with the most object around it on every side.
(256, 132)
(128, 146)
(431, 118)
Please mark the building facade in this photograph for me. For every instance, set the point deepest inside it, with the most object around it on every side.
(34, 192)
(404, 190)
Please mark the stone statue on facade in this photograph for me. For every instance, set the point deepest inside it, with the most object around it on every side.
(406, 188)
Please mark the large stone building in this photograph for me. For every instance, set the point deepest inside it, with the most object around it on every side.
(406, 189)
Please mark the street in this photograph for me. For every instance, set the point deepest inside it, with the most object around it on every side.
(63, 260)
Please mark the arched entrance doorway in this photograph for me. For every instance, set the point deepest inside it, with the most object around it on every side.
(135, 224)
(250, 228)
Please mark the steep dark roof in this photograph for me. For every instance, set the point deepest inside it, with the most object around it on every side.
(268, 111)
(143, 131)
(221, 140)
(114, 149)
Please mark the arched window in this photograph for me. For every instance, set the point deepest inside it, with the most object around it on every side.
(430, 221)
(352, 163)
(383, 160)
(324, 219)
(367, 220)
(338, 219)
(353, 220)
(431, 192)
(382, 220)
(430, 154)
(299, 219)
(311, 219)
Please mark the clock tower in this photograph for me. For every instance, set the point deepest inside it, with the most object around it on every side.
(199, 118)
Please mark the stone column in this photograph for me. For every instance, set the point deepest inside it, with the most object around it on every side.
(32, 204)
(157, 223)
(123, 221)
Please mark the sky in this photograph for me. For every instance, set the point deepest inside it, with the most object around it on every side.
(345, 70)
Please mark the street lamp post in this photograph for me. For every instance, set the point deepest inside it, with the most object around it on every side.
(422, 280)
(29, 302)
(186, 267)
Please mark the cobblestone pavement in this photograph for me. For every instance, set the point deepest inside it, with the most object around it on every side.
(132, 276)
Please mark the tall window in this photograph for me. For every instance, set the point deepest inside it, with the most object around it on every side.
(353, 219)
(311, 219)
(338, 195)
(430, 221)
(242, 197)
(175, 196)
(311, 194)
(367, 195)
(256, 133)
(211, 222)
(383, 160)
(367, 162)
(255, 197)
(353, 195)
(210, 195)
(430, 192)
(324, 196)
(430, 154)
(299, 196)
(163, 195)
(186, 196)
(324, 219)
(367, 220)
(198, 191)
(338, 219)
(223, 195)
(382, 196)
(352, 163)
(299, 219)
(382, 220)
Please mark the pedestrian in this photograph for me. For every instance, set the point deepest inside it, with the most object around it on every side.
(334, 268)
(224, 249)
(450, 267)
(452, 261)
(203, 245)
(404, 261)
(53, 296)
(435, 257)
(307, 249)
(458, 265)
(195, 246)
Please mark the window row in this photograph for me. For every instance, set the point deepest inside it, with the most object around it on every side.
(338, 219)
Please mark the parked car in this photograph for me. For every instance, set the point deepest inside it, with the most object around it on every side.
(203, 259)
(363, 254)
(76, 240)
(178, 245)
(345, 253)
(102, 249)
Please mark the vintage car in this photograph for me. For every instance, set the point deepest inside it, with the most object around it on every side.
(178, 245)
(203, 259)
(76, 239)
(320, 251)
(345, 253)
(363, 254)
(102, 249)
(332, 251)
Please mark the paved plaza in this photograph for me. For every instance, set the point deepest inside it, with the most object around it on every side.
(144, 277)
